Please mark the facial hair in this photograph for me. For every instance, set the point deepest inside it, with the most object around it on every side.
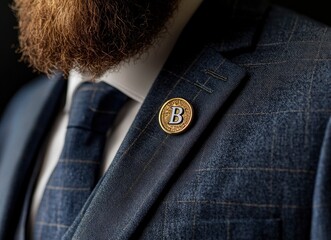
(88, 35)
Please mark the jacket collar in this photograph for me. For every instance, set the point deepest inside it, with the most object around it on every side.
(236, 24)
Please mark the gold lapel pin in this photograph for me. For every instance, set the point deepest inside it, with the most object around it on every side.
(175, 115)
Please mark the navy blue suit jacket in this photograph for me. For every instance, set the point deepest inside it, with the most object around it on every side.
(255, 164)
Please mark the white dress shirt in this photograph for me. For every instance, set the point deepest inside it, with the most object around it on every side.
(134, 78)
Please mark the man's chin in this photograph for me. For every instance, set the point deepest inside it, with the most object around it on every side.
(94, 35)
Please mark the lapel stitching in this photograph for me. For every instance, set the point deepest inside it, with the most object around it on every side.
(208, 79)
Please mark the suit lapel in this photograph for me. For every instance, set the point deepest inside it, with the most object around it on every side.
(148, 157)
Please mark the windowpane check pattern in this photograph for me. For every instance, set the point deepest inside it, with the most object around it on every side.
(93, 110)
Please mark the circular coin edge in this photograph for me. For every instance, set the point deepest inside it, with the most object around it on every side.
(189, 121)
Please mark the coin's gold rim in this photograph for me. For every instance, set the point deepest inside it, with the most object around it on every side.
(160, 116)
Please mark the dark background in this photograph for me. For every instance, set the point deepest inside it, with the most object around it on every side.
(15, 74)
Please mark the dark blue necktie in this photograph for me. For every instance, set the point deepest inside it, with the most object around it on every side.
(93, 110)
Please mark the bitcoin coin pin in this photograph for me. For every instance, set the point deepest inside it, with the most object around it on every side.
(175, 115)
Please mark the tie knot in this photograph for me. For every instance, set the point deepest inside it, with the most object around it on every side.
(95, 106)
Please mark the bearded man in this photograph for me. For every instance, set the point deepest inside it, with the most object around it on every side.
(168, 119)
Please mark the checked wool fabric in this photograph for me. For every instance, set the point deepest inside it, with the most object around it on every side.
(93, 110)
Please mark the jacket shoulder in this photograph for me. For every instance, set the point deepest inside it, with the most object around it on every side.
(285, 26)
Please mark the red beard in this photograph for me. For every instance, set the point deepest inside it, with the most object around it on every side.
(89, 35)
